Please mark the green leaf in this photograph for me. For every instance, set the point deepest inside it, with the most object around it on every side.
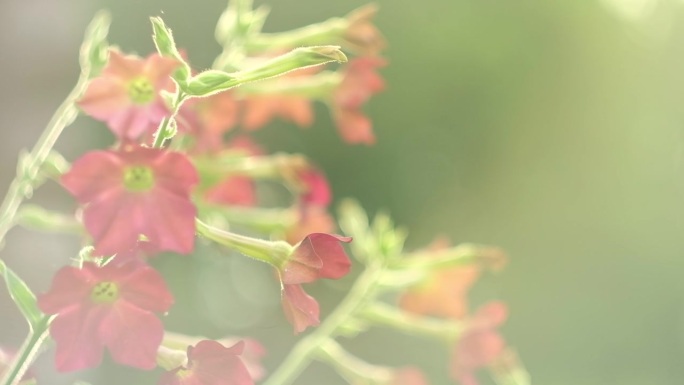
(166, 46)
(211, 82)
(22, 296)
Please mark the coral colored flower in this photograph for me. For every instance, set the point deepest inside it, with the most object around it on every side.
(259, 110)
(361, 35)
(481, 345)
(300, 309)
(207, 119)
(359, 83)
(134, 192)
(443, 294)
(210, 363)
(317, 256)
(106, 307)
(127, 94)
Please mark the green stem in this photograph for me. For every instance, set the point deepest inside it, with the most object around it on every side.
(163, 131)
(28, 351)
(351, 367)
(303, 352)
(384, 314)
(22, 185)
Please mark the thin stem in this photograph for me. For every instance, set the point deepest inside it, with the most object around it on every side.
(30, 165)
(303, 352)
(28, 350)
(351, 367)
(163, 131)
(387, 315)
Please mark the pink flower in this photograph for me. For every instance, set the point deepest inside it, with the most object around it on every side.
(133, 192)
(300, 309)
(127, 94)
(317, 256)
(207, 119)
(362, 35)
(111, 306)
(210, 363)
(481, 345)
(251, 356)
(236, 190)
(316, 188)
(359, 83)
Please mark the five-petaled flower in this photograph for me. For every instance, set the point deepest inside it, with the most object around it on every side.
(134, 192)
(210, 363)
(359, 83)
(111, 306)
(127, 94)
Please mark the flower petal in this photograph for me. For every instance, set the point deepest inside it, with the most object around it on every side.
(300, 309)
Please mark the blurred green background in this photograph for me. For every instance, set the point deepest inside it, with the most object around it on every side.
(553, 129)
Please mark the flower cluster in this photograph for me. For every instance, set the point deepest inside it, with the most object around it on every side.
(183, 168)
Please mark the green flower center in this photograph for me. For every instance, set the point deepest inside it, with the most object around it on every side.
(105, 292)
(138, 178)
(141, 90)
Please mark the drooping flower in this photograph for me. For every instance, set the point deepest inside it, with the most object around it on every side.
(300, 309)
(319, 255)
(359, 83)
(481, 345)
(207, 119)
(127, 94)
(106, 307)
(210, 363)
(135, 192)
(361, 35)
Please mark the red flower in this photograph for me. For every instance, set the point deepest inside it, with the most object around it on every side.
(210, 363)
(481, 345)
(316, 188)
(300, 309)
(319, 255)
(251, 355)
(127, 94)
(134, 192)
(359, 83)
(361, 35)
(111, 306)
